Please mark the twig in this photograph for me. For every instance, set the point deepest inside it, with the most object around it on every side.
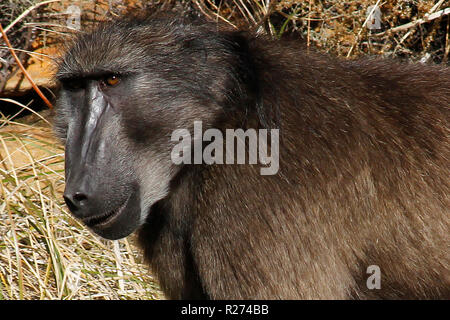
(447, 42)
(364, 24)
(118, 256)
(244, 11)
(427, 18)
(309, 25)
(25, 107)
(270, 10)
(19, 63)
(218, 16)
(436, 6)
(31, 53)
(26, 12)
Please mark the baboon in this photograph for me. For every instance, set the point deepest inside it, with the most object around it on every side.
(363, 175)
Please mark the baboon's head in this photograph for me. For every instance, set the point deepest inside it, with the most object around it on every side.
(125, 88)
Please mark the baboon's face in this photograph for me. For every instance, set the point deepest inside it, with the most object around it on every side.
(124, 91)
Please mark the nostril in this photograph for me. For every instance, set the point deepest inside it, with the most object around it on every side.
(72, 207)
(75, 201)
(79, 197)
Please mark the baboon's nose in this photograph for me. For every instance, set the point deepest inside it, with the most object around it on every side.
(75, 201)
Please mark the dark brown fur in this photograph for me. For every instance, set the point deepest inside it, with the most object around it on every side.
(363, 180)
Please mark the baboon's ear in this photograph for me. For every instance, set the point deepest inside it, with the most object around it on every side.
(248, 72)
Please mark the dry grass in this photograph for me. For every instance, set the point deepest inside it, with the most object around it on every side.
(339, 27)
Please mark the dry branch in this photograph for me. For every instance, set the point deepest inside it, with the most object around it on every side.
(26, 12)
(22, 68)
(427, 18)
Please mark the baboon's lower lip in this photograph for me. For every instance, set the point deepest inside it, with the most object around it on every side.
(105, 219)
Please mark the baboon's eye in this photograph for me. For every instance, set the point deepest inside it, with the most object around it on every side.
(112, 80)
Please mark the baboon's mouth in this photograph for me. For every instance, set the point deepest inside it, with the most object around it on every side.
(103, 220)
